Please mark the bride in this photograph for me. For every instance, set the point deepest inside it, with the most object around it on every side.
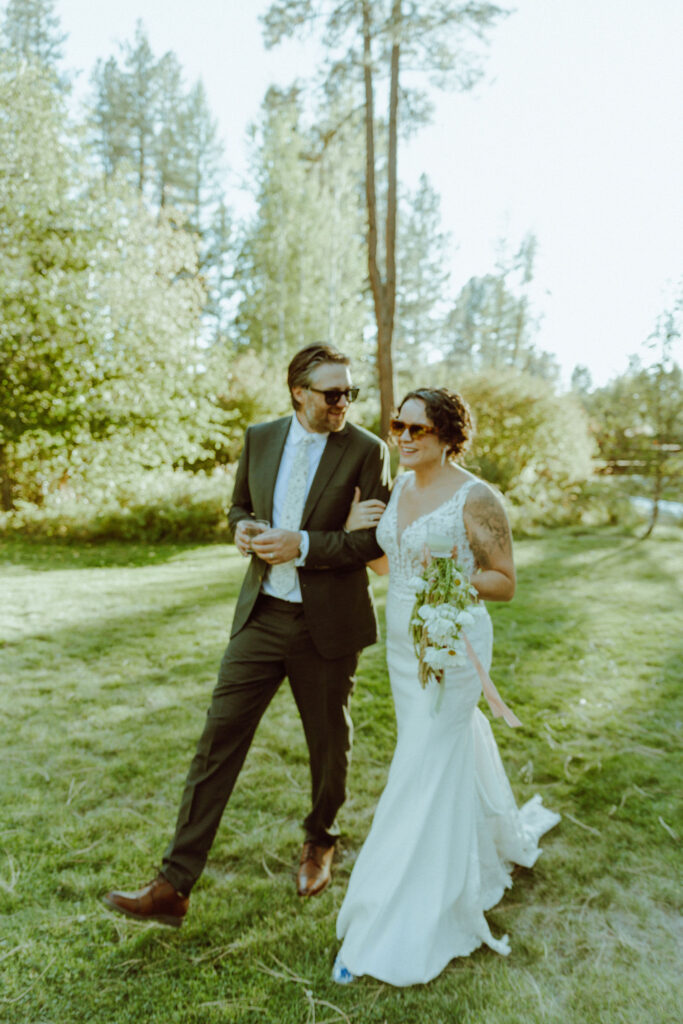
(446, 829)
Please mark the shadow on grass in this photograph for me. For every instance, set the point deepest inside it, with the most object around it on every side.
(599, 551)
(123, 610)
(42, 556)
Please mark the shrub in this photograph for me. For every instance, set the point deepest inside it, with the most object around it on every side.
(528, 439)
(589, 503)
(151, 507)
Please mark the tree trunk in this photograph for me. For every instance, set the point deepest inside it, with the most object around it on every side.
(390, 233)
(656, 498)
(6, 487)
(383, 295)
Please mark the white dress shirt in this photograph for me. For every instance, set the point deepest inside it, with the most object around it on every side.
(315, 450)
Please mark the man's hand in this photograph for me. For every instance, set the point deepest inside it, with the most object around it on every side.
(276, 546)
(242, 538)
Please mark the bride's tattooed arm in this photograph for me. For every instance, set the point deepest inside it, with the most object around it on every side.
(489, 536)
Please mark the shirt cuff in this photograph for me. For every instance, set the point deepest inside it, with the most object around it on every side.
(303, 549)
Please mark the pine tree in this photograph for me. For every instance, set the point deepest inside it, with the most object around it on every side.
(32, 30)
(161, 135)
(422, 281)
(493, 324)
(300, 270)
(370, 43)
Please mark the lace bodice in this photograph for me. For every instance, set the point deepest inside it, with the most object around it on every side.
(405, 554)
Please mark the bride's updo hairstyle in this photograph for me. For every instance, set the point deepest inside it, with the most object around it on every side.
(449, 413)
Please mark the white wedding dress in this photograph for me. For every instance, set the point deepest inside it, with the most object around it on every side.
(446, 829)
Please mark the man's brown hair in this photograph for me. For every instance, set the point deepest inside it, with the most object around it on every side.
(306, 360)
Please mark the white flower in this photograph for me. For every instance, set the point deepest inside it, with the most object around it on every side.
(425, 611)
(438, 636)
(416, 585)
(437, 657)
(430, 653)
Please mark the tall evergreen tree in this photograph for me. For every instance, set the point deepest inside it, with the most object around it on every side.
(146, 124)
(300, 270)
(422, 281)
(370, 43)
(581, 381)
(142, 90)
(169, 147)
(109, 121)
(492, 323)
(32, 30)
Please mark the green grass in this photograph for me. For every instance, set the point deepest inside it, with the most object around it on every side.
(107, 659)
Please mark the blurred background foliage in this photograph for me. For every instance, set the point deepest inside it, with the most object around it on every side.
(143, 326)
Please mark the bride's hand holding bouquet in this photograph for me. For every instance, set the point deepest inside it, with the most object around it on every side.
(445, 602)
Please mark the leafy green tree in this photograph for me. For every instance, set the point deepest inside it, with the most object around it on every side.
(372, 44)
(99, 305)
(637, 418)
(45, 342)
(664, 397)
(148, 298)
(532, 443)
(529, 441)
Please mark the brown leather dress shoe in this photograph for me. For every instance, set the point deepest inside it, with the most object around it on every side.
(157, 901)
(314, 868)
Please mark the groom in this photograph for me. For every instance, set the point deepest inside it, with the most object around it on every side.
(304, 611)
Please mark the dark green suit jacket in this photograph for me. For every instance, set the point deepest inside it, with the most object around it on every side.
(335, 590)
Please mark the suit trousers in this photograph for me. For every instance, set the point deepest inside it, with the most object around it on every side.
(273, 644)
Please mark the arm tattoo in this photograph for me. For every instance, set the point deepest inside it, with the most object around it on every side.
(488, 530)
(481, 555)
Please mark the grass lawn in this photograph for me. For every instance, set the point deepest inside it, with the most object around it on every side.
(107, 659)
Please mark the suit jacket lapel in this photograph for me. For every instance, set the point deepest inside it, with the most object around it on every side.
(269, 462)
(332, 453)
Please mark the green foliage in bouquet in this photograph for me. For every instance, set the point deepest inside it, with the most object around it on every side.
(443, 600)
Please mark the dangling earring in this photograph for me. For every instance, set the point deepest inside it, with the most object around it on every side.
(443, 456)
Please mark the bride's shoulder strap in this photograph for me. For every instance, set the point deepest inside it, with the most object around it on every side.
(465, 489)
(399, 481)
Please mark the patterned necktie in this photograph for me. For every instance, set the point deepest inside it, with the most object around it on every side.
(283, 576)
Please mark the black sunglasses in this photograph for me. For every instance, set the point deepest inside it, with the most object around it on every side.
(332, 395)
(416, 430)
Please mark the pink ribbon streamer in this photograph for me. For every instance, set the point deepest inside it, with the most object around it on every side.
(495, 701)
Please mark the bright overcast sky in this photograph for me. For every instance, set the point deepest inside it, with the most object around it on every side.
(575, 134)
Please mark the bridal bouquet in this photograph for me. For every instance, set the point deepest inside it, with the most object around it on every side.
(444, 598)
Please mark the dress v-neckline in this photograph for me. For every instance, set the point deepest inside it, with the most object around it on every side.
(417, 519)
